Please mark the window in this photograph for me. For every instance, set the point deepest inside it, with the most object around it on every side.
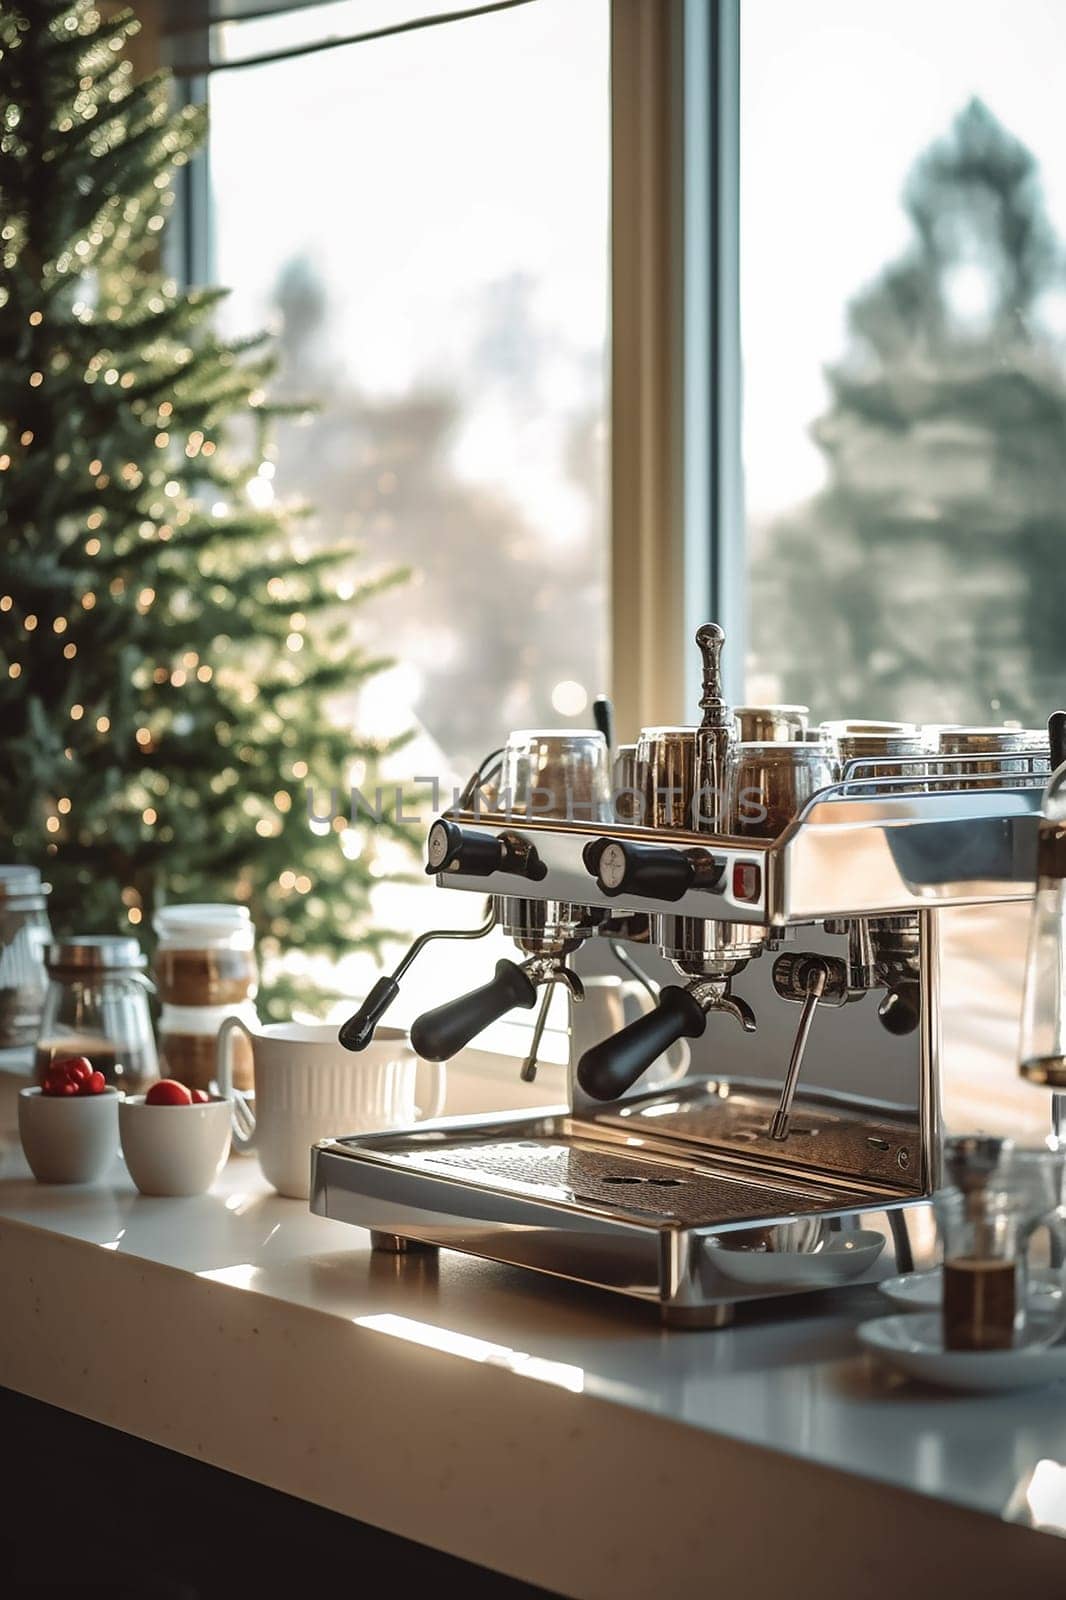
(903, 303)
(424, 218)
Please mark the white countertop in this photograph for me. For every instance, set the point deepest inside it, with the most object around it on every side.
(549, 1432)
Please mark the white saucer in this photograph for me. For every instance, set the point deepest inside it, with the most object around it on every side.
(915, 1346)
(924, 1291)
(838, 1259)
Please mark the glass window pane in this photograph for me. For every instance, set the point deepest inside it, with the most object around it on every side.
(425, 219)
(903, 322)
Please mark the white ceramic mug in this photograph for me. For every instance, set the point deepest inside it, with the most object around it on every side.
(309, 1087)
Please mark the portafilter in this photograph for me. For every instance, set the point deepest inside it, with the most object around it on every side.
(564, 774)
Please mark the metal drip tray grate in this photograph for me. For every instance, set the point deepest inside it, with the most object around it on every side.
(617, 1179)
(839, 1141)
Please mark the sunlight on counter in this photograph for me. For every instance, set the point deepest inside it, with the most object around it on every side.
(559, 1373)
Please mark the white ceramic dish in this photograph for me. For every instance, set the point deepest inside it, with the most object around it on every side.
(924, 1291)
(836, 1259)
(174, 1150)
(914, 1345)
(69, 1138)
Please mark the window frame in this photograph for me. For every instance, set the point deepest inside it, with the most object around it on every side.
(677, 494)
(675, 521)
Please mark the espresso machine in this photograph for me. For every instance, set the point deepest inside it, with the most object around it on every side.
(844, 913)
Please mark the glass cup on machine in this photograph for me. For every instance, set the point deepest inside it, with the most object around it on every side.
(768, 784)
(559, 773)
(777, 724)
(666, 777)
(881, 752)
(1001, 1201)
(990, 753)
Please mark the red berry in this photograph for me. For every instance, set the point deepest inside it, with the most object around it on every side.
(69, 1088)
(200, 1097)
(73, 1066)
(96, 1085)
(168, 1092)
(56, 1079)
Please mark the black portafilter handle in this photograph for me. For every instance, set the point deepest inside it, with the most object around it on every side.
(1056, 732)
(357, 1032)
(439, 1034)
(607, 1070)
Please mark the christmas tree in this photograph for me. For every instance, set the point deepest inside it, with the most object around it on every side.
(175, 664)
(925, 579)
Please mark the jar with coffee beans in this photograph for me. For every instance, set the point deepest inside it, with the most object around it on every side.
(187, 1040)
(205, 955)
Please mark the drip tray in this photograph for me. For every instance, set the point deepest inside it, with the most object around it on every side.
(598, 1204)
(612, 1177)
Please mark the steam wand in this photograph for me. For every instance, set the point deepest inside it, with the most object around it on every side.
(357, 1032)
(812, 980)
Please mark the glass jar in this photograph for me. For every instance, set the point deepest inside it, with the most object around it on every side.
(97, 1006)
(24, 937)
(205, 956)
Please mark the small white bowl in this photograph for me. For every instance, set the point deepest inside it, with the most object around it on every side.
(834, 1260)
(69, 1138)
(174, 1150)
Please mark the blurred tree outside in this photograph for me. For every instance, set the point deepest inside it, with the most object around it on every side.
(925, 580)
(510, 608)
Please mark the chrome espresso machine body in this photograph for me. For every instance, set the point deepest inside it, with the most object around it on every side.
(846, 924)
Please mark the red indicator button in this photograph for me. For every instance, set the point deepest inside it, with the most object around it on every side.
(747, 880)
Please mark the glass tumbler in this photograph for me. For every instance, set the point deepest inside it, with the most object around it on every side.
(666, 773)
(992, 754)
(560, 773)
(778, 723)
(768, 783)
(987, 1223)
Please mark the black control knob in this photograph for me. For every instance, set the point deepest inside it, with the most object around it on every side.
(620, 867)
(901, 1009)
(473, 853)
(799, 974)
(609, 1069)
